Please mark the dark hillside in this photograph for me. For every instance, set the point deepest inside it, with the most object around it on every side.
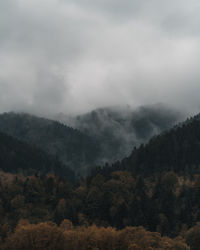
(17, 156)
(177, 150)
(73, 148)
(118, 130)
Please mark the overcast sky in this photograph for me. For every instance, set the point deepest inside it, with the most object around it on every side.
(76, 55)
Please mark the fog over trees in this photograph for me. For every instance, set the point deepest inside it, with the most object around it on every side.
(99, 125)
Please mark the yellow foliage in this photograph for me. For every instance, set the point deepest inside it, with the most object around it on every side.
(48, 236)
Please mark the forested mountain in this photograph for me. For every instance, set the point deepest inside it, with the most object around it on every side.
(169, 206)
(177, 150)
(19, 157)
(157, 188)
(106, 134)
(118, 130)
(71, 147)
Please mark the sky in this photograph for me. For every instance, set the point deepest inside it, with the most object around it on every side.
(73, 56)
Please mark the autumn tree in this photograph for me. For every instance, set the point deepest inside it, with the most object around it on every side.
(41, 236)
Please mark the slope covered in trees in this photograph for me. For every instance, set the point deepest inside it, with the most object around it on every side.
(177, 150)
(17, 156)
(145, 190)
(165, 194)
(72, 147)
(106, 134)
(118, 130)
(49, 236)
(169, 206)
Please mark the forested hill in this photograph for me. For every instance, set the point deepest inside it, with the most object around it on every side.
(119, 129)
(160, 192)
(177, 150)
(19, 157)
(104, 135)
(72, 147)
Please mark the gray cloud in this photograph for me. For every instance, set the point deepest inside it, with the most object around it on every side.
(72, 56)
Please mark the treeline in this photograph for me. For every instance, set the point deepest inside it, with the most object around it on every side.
(168, 204)
(156, 188)
(176, 150)
(48, 236)
(19, 157)
(73, 148)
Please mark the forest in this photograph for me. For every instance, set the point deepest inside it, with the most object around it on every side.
(116, 212)
(149, 200)
(99, 125)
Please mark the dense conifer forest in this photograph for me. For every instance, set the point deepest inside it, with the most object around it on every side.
(117, 130)
(149, 200)
(19, 157)
(103, 135)
(73, 148)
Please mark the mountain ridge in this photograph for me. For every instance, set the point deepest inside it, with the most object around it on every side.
(17, 156)
(73, 148)
(119, 130)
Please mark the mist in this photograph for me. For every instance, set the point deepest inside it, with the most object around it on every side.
(74, 56)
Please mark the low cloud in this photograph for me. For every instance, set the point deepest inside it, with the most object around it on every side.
(73, 56)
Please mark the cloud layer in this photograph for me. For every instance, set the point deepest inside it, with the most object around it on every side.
(76, 55)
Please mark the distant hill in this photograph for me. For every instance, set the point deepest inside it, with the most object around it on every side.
(103, 135)
(156, 187)
(175, 150)
(165, 195)
(17, 156)
(71, 147)
(119, 130)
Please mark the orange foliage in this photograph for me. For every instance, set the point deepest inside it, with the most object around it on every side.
(48, 236)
